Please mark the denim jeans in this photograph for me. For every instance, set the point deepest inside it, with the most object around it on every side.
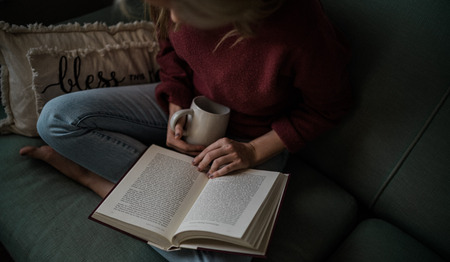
(107, 130)
(104, 130)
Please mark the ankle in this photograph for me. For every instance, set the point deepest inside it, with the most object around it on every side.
(98, 184)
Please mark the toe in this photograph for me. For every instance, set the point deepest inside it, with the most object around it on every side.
(27, 150)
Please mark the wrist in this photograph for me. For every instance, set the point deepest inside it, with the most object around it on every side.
(253, 154)
(266, 147)
(173, 108)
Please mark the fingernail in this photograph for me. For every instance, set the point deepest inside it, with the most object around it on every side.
(177, 135)
(210, 175)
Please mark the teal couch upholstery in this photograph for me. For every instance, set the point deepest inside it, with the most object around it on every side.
(376, 188)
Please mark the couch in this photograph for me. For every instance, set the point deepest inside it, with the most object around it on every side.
(376, 188)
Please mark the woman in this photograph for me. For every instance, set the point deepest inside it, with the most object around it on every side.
(278, 64)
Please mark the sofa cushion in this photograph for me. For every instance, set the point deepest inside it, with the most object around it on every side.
(315, 217)
(377, 240)
(47, 12)
(399, 70)
(113, 14)
(417, 199)
(44, 215)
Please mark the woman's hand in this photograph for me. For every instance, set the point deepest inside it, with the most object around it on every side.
(174, 140)
(226, 155)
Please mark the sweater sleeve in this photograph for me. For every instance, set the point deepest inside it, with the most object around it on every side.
(176, 78)
(320, 77)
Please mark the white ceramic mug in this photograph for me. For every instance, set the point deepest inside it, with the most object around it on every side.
(207, 121)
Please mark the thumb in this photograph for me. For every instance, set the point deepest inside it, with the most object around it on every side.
(179, 128)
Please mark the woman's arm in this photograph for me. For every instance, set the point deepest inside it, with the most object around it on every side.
(176, 78)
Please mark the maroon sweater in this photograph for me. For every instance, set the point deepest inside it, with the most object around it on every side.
(290, 77)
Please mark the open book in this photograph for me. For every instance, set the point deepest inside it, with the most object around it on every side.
(165, 201)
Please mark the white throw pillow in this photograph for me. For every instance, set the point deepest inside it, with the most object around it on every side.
(103, 48)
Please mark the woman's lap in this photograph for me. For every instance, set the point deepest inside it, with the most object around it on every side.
(104, 130)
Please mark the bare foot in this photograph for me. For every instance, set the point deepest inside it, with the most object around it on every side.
(96, 183)
(43, 153)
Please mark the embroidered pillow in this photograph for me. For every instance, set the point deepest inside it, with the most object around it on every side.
(88, 40)
(57, 72)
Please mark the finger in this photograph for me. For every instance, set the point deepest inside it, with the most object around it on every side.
(209, 150)
(224, 170)
(221, 162)
(207, 156)
(178, 133)
(181, 146)
(185, 148)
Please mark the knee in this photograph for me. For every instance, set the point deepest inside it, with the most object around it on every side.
(52, 119)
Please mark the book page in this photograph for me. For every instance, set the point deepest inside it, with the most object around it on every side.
(156, 193)
(228, 204)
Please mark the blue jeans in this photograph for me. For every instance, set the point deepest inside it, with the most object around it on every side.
(107, 130)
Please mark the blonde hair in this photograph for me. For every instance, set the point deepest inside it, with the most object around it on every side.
(244, 15)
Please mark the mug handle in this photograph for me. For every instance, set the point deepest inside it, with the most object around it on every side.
(177, 115)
